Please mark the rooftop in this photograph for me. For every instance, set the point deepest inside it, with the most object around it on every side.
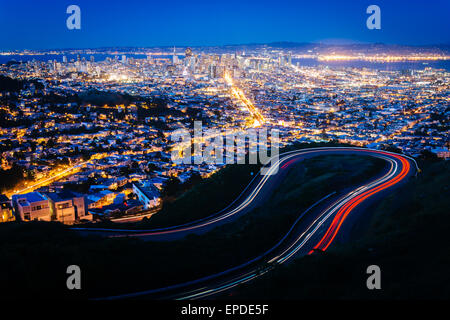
(148, 189)
(62, 195)
(30, 197)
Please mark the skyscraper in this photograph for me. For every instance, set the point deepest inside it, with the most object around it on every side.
(212, 71)
(174, 56)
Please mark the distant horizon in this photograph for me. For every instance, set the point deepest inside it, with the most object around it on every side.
(274, 44)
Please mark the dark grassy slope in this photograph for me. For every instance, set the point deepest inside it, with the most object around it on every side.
(408, 238)
(34, 256)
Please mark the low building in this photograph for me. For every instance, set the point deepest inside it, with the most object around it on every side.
(117, 210)
(68, 206)
(121, 181)
(100, 199)
(443, 153)
(31, 206)
(147, 194)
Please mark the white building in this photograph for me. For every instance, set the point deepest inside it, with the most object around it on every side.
(67, 206)
(32, 206)
(147, 194)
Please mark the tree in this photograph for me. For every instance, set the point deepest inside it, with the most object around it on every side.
(10, 177)
(193, 180)
(172, 187)
(428, 155)
(391, 148)
(151, 168)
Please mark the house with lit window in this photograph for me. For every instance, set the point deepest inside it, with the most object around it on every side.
(101, 199)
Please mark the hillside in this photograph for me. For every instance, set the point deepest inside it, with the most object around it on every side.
(407, 238)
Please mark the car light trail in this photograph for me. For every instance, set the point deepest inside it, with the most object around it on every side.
(291, 243)
(324, 216)
(336, 224)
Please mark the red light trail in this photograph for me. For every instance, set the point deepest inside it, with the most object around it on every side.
(342, 214)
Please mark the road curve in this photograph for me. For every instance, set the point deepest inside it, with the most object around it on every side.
(325, 219)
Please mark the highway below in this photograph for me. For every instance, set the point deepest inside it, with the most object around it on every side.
(316, 228)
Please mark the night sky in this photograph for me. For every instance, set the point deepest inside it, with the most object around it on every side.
(35, 24)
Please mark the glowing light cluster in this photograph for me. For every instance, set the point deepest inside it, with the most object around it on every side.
(239, 95)
(337, 57)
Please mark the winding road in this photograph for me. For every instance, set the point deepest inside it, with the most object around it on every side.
(315, 229)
